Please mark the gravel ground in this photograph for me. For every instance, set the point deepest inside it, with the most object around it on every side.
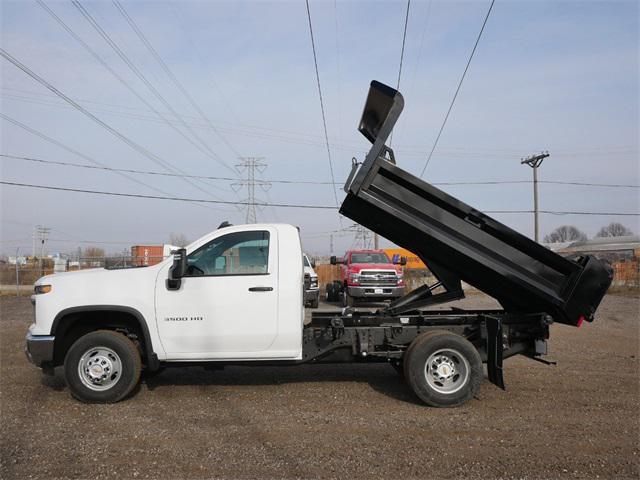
(579, 419)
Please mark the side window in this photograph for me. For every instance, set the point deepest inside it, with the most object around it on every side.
(240, 253)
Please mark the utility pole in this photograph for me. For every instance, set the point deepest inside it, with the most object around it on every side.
(17, 273)
(43, 234)
(534, 161)
(375, 241)
(251, 165)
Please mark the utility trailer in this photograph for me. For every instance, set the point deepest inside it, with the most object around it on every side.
(534, 285)
(235, 296)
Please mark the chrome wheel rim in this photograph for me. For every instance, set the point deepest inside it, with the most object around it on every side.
(100, 368)
(447, 371)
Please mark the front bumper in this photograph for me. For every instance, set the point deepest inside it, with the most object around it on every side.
(375, 292)
(311, 295)
(39, 349)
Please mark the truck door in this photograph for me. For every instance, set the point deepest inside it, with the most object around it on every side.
(227, 305)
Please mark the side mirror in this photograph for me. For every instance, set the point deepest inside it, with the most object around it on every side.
(399, 260)
(313, 264)
(178, 269)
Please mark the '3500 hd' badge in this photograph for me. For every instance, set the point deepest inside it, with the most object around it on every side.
(195, 318)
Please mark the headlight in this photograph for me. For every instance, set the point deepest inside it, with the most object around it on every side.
(354, 277)
(39, 289)
(314, 282)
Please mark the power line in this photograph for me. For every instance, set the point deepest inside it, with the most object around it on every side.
(97, 164)
(156, 197)
(411, 88)
(170, 74)
(282, 205)
(107, 38)
(338, 75)
(302, 138)
(278, 181)
(122, 81)
(324, 121)
(453, 100)
(404, 38)
(138, 148)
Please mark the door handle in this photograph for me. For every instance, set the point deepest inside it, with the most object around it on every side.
(260, 289)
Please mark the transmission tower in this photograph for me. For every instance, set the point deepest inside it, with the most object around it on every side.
(251, 165)
(363, 237)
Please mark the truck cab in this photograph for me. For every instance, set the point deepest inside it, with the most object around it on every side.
(239, 296)
(368, 275)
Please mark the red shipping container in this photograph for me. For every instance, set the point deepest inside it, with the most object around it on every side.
(145, 255)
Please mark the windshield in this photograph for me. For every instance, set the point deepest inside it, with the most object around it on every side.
(369, 258)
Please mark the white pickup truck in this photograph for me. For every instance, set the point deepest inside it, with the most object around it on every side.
(236, 296)
(239, 297)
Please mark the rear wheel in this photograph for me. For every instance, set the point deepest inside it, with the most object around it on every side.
(102, 367)
(330, 292)
(443, 369)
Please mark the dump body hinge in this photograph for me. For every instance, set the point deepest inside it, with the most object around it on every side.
(423, 296)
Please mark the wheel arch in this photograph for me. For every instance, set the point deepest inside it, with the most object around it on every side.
(71, 323)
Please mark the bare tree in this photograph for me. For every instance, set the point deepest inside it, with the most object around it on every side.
(565, 233)
(614, 229)
(93, 252)
(178, 239)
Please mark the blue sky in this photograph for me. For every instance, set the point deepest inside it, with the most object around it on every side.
(556, 76)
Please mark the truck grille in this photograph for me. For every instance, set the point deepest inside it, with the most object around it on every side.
(378, 277)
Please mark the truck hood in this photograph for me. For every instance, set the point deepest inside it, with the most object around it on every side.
(357, 267)
(93, 277)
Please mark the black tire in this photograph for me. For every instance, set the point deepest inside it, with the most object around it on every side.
(458, 359)
(330, 292)
(347, 300)
(314, 303)
(92, 347)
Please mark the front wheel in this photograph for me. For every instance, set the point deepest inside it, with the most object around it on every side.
(347, 300)
(443, 369)
(102, 367)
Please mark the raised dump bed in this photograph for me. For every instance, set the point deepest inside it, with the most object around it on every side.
(456, 241)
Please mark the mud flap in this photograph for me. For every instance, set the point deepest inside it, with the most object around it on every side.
(494, 351)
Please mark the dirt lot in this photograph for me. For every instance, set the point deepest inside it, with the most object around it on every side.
(579, 419)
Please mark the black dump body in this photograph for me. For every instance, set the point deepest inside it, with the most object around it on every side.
(456, 241)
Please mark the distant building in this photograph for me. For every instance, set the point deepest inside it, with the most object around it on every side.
(20, 260)
(613, 249)
(621, 252)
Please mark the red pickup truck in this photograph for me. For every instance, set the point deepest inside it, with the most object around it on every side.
(366, 275)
